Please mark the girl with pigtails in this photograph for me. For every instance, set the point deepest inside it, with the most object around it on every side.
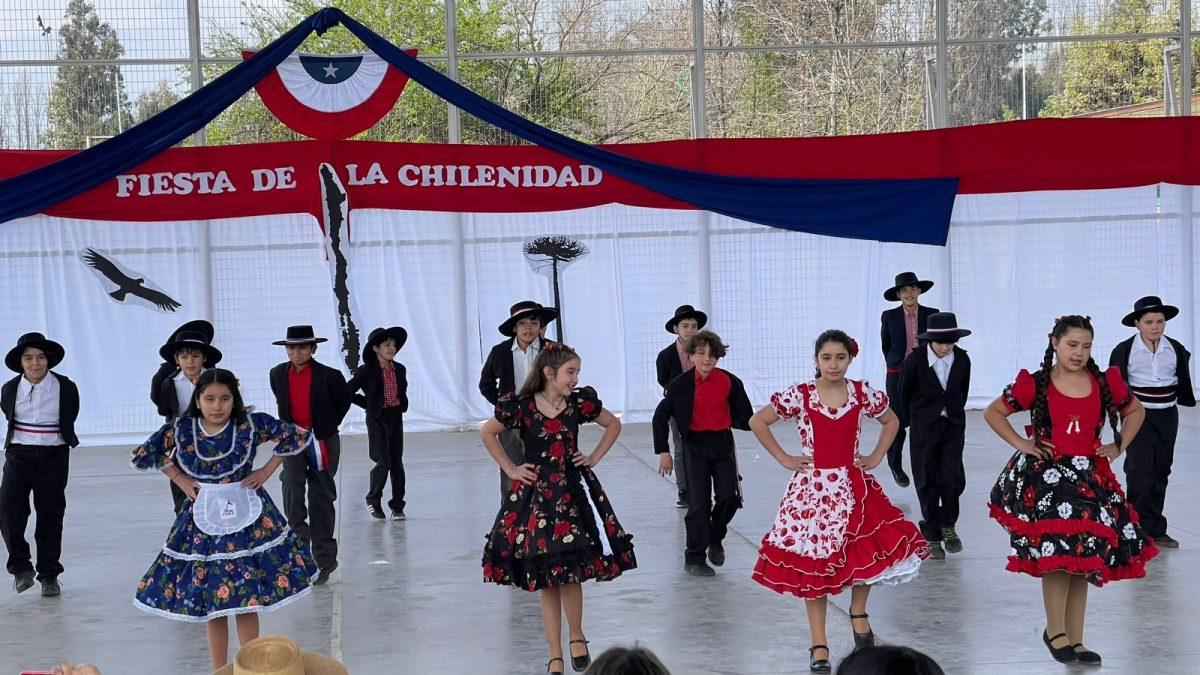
(1057, 497)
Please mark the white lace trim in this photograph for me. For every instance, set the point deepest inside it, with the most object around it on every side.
(903, 571)
(228, 556)
(232, 445)
(224, 612)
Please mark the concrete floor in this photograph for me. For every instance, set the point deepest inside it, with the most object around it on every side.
(408, 596)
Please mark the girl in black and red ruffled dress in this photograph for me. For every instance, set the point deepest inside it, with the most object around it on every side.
(836, 528)
(1063, 508)
(556, 528)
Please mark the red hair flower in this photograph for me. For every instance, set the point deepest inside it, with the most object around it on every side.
(853, 348)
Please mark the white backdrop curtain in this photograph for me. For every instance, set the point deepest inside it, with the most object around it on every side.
(1012, 264)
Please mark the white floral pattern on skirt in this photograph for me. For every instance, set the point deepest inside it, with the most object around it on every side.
(814, 513)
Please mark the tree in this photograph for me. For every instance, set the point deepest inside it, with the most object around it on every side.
(1112, 73)
(980, 75)
(153, 101)
(86, 101)
(549, 255)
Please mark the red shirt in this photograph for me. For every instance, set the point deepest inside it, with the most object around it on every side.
(910, 329)
(1074, 422)
(710, 408)
(391, 393)
(300, 396)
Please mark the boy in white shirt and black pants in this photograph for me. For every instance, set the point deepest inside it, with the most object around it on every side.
(41, 407)
(1156, 368)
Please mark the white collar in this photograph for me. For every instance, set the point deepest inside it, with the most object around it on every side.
(933, 357)
(179, 377)
(48, 383)
(1164, 345)
(532, 345)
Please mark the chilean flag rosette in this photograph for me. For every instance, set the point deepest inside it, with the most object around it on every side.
(331, 97)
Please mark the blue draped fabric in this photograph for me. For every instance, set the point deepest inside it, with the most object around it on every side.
(914, 211)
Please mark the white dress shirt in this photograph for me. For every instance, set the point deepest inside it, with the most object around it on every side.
(1152, 369)
(35, 415)
(183, 391)
(941, 368)
(523, 361)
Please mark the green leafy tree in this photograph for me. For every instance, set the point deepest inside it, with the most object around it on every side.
(86, 101)
(153, 101)
(981, 76)
(552, 92)
(1113, 73)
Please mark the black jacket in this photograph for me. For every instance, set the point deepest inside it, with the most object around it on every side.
(329, 397)
(497, 376)
(678, 401)
(921, 395)
(369, 378)
(162, 391)
(892, 337)
(68, 407)
(1185, 396)
(668, 366)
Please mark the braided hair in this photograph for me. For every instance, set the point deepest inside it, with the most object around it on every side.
(1040, 412)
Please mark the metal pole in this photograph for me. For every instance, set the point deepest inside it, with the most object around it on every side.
(1187, 222)
(700, 130)
(203, 227)
(942, 22)
(453, 114)
(1185, 59)
(194, 49)
(459, 263)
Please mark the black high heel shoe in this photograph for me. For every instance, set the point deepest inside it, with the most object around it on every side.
(1060, 654)
(862, 640)
(1087, 657)
(551, 662)
(819, 665)
(580, 663)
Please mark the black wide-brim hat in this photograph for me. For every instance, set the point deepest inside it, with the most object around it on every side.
(942, 327)
(396, 333)
(300, 335)
(201, 326)
(686, 312)
(54, 351)
(525, 310)
(906, 279)
(1150, 303)
(189, 339)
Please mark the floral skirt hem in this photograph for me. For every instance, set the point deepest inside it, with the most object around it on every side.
(538, 574)
(230, 611)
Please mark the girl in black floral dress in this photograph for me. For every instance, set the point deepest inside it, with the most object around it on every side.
(556, 529)
(1067, 518)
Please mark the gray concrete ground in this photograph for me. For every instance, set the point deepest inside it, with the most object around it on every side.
(408, 597)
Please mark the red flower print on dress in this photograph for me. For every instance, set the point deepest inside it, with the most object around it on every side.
(561, 529)
(509, 519)
(586, 408)
(557, 450)
(553, 426)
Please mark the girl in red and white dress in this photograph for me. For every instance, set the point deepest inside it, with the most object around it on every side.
(1066, 515)
(835, 529)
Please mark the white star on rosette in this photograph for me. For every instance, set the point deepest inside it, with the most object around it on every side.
(330, 70)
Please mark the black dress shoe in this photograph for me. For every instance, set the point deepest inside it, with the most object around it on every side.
(682, 501)
(580, 663)
(323, 576)
(23, 581)
(1086, 656)
(900, 477)
(50, 587)
(819, 665)
(716, 554)
(1061, 654)
(862, 640)
(551, 663)
(1165, 541)
(699, 570)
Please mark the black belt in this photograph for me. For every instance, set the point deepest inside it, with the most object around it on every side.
(1155, 394)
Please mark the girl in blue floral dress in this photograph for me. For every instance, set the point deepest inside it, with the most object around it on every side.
(556, 528)
(231, 550)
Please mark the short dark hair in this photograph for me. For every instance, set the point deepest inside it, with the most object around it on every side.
(707, 338)
(889, 659)
(635, 660)
(188, 349)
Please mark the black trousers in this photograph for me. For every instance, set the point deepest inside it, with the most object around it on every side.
(41, 470)
(895, 453)
(297, 475)
(385, 441)
(711, 470)
(938, 473)
(514, 449)
(1148, 462)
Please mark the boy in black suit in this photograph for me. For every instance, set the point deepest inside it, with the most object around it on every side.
(933, 399)
(384, 384)
(186, 354)
(41, 407)
(313, 396)
(672, 362)
(508, 365)
(1156, 368)
(898, 338)
(705, 405)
